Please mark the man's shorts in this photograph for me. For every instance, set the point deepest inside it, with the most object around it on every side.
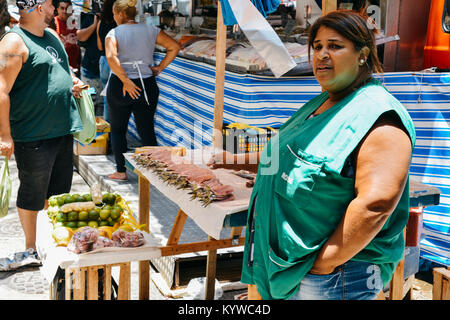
(45, 168)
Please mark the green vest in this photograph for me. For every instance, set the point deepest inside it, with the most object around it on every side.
(42, 104)
(300, 197)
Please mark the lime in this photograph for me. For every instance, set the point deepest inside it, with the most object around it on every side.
(93, 224)
(53, 202)
(93, 215)
(80, 199)
(103, 223)
(115, 213)
(81, 224)
(109, 198)
(69, 199)
(107, 207)
(71, 224)
(104, 214)
(60, 201)
(83, 216)
(111, 222)
(61, 217)
(87, 197)
(72, 216)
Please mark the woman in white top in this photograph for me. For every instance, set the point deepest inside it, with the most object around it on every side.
(132, 87)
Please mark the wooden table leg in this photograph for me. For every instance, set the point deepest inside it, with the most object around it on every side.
(211, 262)
(177, 228)
(144, 209)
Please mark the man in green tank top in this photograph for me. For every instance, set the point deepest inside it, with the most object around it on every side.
(38, 112)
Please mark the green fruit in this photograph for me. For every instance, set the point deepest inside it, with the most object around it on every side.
(61, 217)
(83, 216)
(81, 224)
(93, 224)
(87, 197)
(53, 202)
(109, 198)
(69, 199)
(72, 216)
(103, 223)
(60, 201)
(106, 207)
(115, 213)
(111, 222)
(104, 214)
(93, 215)
(80, 199)
(72, 224)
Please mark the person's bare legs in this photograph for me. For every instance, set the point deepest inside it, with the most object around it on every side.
(28, 220)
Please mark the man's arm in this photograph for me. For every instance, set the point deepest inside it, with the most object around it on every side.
(85, 33)
(13, 54)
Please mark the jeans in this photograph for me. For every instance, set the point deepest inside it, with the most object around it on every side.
(354, 280)
(105, 70)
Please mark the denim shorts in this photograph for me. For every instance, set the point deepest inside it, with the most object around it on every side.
(354, 280)
(45, 168)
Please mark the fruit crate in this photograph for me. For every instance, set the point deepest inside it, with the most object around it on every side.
(239, 138)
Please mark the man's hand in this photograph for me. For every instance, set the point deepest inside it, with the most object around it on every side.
(78, 86)
(6, 146)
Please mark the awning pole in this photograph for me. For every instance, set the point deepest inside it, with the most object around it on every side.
(221, 38)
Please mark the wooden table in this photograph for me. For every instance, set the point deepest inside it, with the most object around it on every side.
(236, 221)
(420, 195)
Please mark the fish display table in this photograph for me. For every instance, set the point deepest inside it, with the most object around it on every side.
(211, 218)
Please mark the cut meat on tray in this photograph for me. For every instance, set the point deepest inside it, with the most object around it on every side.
(180, 172)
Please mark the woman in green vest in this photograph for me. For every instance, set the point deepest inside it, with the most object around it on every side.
(331, 196)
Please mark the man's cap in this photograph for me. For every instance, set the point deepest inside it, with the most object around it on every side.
(27, 4)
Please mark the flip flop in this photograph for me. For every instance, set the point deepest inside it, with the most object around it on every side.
(113, 178)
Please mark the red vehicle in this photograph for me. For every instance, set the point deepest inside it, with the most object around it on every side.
(437, 48)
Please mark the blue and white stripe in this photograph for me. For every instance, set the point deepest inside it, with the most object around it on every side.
(186, 106)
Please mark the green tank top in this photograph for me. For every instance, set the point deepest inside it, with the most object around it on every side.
(42, 104)
(300, 196)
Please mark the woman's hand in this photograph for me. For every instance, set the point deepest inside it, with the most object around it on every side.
(221, 160)
(156, 70)
(130, 88)
(319, 269)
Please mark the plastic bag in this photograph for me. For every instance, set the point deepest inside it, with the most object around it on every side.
(122, 238)
(102, 242)
(83, 240)
(196, 289)
(5, 188)
(87, 115)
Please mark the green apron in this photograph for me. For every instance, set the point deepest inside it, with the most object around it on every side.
(300, 197)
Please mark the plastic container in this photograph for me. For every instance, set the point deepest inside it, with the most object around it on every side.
(245, 140)
(414, 226)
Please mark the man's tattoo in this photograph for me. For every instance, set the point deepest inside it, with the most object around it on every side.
(4, 56)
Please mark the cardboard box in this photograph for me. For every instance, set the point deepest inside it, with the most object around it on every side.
(99, 144)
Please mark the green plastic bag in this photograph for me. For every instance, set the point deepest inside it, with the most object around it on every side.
(87, 115)
(5, 189)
